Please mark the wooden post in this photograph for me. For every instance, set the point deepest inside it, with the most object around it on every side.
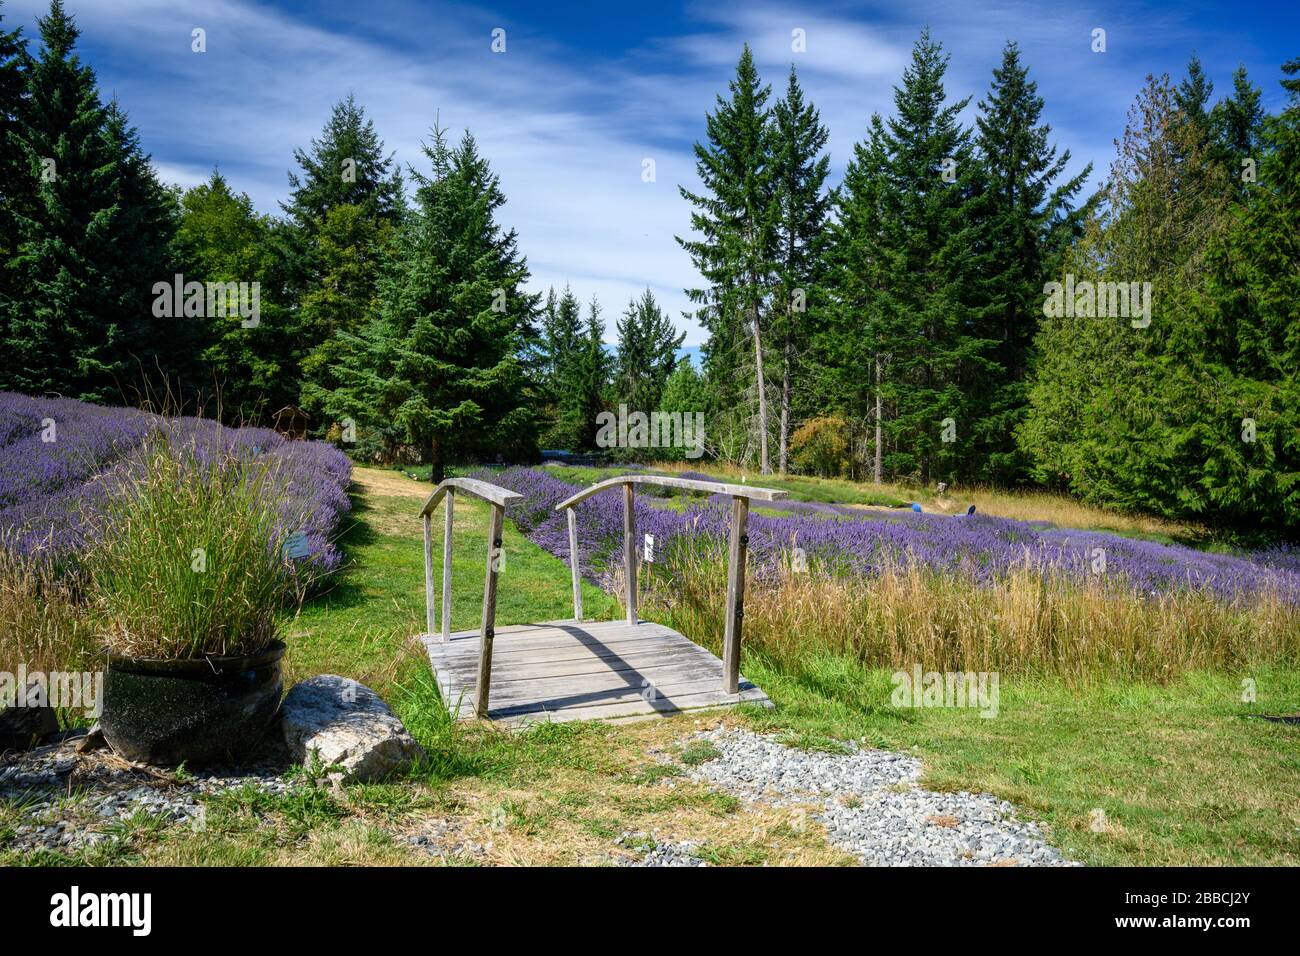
(428, 575)
(573, 564)
(629, 550)
(489, 611)
(449, 505)
(735, 595)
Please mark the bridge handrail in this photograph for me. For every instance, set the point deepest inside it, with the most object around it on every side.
(736, 552)
(663, 481)
(498, 499)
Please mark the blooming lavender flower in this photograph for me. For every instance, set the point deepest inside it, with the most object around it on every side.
(979, 548)
(49, 488)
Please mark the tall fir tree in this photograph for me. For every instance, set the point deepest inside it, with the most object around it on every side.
(914, 191)
(733, 219)
(647, 353)
(345, 205)
(16, 185)
(563, 345)
(800, 169)
(440, 365)
(1238, 123)
(1030, 222)
(93, 241)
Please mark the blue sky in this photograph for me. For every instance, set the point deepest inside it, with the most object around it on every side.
(584, 93)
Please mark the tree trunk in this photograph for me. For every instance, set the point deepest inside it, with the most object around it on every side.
(764, 462)
(876, 468)
(783, 453)
(436, 465)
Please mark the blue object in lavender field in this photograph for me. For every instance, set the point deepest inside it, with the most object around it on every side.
(970, 510)
(916, 507)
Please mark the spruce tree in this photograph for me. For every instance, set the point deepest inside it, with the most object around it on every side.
(586, 384)
(733, 220)
(563, 345)
(802, 201)
(441, 362)
(919, 259)
(93, 240)
(1030, 222)
(1238, 122)
(345, 167)
(16, 185)
(647, 353)
(345, 205)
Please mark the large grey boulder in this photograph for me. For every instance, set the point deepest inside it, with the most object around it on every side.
(347, 728)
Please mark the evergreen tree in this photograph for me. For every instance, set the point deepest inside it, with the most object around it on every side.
(441, 362)
(647, 353)
(222, 238)
(16, 185)
(733, 218)
(162, 354)
(563, 349)
(92, 242)
(345, 167)
(913, 190)
(586, 383)
(345, 205)
(686, 394)
(1238, 123)
(800, 239)
(1030, 223)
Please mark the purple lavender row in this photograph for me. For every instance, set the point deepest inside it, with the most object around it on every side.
(980, 548)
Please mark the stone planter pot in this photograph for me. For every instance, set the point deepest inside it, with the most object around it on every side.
(195, 712)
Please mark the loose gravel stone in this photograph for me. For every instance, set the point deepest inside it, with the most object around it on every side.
(871, 804)
(653, 851)
(70, 799)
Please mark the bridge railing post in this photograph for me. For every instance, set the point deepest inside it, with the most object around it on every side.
(573, 563)
(737, 552)
(629, 550)
(428, 574)
(487, 625)
(450, 506)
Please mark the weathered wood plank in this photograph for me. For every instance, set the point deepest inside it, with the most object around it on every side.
(735, 610)
(483, 686)
(691, 484)
(573, 565)
(450, 508)
(544, 641)
(629, 551)
(494, 494)
(662, 706)
(584, 673)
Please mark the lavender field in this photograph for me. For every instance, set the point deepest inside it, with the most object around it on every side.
(59, 457)
(841, 540)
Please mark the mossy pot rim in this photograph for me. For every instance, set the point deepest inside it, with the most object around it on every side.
(208, 664)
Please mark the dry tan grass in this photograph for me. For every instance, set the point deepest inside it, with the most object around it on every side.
(41, 623)
(1031, 622)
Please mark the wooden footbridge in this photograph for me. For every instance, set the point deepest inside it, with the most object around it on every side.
(578, 669)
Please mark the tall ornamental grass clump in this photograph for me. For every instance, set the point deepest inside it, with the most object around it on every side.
(191, 553)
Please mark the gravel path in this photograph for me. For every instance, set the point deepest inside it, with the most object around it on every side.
(871, 804)
(74, 800)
